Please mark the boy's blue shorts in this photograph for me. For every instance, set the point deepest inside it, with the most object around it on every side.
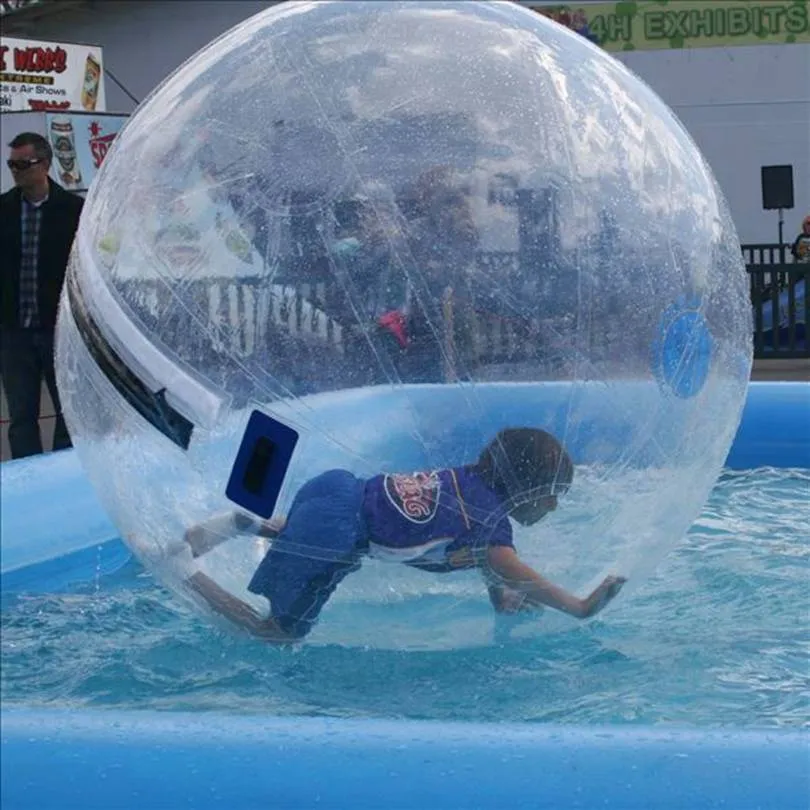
(323, 541)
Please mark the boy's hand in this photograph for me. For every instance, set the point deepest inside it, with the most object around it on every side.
(607, 590)
(506, 566)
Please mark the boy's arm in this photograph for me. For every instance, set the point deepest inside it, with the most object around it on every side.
(507, 566)
(237, 611)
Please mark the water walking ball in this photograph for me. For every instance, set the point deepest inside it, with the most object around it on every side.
(369, 236)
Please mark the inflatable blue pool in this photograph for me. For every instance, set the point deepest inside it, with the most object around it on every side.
(55, 535)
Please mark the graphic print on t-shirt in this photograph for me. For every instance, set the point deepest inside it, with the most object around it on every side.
(415, 497)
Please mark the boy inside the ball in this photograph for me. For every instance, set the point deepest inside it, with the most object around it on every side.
(439, 521)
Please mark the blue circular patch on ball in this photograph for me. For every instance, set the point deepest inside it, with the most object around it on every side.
(682, 353)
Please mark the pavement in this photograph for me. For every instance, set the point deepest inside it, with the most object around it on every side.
(782, 370)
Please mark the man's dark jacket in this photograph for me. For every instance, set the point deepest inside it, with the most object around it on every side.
(60, 218)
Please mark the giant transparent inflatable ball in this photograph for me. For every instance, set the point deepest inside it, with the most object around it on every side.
(369, 237)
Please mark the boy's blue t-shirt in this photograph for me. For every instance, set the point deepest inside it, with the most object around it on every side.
(439, 521)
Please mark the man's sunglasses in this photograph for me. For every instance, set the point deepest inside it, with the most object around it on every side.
(22, 165)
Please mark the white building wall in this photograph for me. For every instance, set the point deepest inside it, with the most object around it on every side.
(746, 107)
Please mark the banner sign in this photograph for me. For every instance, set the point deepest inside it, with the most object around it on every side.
(42, 76)
(80, 144)
(660, 24)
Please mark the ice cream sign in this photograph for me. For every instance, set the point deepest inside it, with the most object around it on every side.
(37, 76)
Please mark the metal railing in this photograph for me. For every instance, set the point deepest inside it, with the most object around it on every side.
(246, 317)
(766, 254)
(781, 310)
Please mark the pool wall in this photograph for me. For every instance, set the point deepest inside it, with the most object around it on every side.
(55, 535)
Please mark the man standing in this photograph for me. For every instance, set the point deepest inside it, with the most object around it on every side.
(38, 219)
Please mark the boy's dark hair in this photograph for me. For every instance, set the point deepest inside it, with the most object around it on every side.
(42, 149)
(519, 460)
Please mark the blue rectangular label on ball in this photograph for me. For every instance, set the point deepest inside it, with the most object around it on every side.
(261, 464)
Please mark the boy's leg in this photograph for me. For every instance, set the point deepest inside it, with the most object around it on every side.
(209, 534)
(322, 542)
(302, 569)
(305, 610)
(299, 587)
(237, 611)
(206, 536)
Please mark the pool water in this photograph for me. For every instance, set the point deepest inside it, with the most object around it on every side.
(719, 637)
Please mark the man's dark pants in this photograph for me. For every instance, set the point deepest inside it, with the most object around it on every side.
(27, 357)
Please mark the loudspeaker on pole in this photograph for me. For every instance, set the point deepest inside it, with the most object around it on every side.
(777, 192)
(777, 187)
